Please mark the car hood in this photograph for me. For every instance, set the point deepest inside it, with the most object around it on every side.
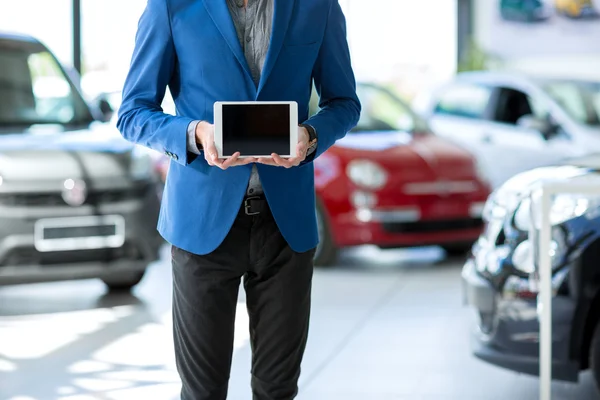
(419, 157)
(91, 153)
(510, 194)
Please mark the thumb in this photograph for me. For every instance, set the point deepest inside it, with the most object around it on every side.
(211, 150)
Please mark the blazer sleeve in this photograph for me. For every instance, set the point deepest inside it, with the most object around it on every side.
(335, 84)
(141, 119)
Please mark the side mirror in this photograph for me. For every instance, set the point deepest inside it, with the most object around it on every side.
(544, 126)
(106, 110)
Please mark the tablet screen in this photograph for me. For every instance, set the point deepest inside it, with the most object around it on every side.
(256, 129)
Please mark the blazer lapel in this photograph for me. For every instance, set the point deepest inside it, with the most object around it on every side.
(219, 12)
(281, 19)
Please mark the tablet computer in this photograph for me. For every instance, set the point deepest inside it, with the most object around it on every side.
(256, 128)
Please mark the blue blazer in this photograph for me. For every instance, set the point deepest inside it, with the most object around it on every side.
(191, 46)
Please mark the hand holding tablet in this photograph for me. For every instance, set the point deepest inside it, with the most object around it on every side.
(256, 129)
(205, 135)
(265, 132)
(301, 152)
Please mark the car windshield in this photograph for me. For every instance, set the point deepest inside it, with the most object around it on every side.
(581, 100)
(383, 111)
(35, 90)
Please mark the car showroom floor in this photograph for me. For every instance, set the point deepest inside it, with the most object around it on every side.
(385, 325)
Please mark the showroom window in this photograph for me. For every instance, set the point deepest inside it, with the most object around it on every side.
(464, 100)
(49, 21)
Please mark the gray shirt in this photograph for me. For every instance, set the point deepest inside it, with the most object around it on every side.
(253, 25)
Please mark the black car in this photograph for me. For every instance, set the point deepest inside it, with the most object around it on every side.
(498, 279)
(77, 201)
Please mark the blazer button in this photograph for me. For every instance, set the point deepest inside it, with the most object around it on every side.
(175, 157)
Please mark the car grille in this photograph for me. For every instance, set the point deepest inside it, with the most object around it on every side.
(433, 226)
(30, 256)
(55, 198)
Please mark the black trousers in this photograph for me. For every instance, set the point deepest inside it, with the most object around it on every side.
(277, 282)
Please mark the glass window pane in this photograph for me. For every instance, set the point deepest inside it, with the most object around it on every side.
(571, 98)
(34, 88)
(381, 111)
(464, 100)
(52, 92)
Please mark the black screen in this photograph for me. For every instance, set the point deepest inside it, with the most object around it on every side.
(256, 129)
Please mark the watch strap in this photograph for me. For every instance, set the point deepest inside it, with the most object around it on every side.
(312, 135)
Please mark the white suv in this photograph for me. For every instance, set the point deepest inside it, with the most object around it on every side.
(513, 123)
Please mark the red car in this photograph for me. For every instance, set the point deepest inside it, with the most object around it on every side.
(392, 183)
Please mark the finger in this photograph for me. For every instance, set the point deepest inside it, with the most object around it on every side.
(295, 161)
(209, 160)
(283, 162)
(267, 161)
(214, 163)
(245, 161)
(230, 161)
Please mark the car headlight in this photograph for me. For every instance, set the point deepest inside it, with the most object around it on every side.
(141, 164)
(367, 174)
(523, 256)
(564, 207)
(492, 210)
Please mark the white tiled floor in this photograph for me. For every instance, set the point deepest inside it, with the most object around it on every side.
(385, 326)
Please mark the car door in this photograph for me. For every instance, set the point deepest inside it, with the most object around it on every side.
(461, 113)
(458, 113)
(519, 147)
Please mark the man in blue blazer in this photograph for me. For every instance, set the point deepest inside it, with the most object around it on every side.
(234, 218)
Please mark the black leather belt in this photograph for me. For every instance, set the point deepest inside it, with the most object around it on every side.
(254, 205)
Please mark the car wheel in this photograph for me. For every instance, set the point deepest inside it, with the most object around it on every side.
(326, 252)
(123, 282)
(457, 250)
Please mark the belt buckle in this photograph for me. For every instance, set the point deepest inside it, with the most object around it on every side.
(247, 205)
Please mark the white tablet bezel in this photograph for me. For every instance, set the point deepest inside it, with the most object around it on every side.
(218, 123)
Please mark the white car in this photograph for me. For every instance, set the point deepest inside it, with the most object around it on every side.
(513, 123)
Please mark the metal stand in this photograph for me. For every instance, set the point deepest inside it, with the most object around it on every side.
(544, 299)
